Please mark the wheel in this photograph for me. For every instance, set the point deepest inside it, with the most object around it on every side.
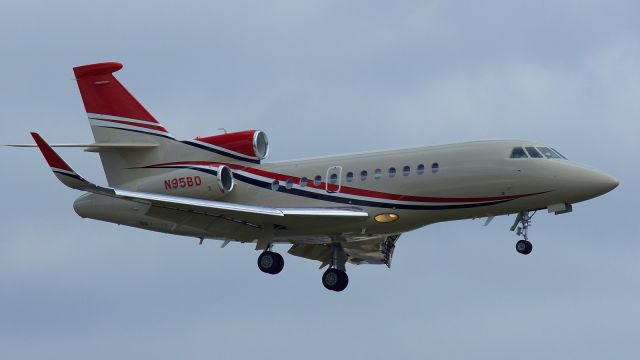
(524, 247)
(270, 262)
(334, 279)
(331, 279)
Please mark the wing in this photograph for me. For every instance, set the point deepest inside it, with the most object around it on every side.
(255, 216)
(370, 250)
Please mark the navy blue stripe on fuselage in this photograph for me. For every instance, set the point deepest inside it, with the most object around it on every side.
(359, 202)
(335, 199)
(208, 171)
(220, 152)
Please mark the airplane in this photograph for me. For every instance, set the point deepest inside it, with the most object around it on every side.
(335, 209)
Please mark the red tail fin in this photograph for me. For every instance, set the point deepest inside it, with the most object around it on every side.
(116, 117)
(103, 94)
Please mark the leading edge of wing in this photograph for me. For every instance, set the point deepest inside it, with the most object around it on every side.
(73, 180)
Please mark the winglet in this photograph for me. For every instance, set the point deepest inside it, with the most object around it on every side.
(59, 167)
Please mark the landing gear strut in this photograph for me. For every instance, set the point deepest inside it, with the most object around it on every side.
(335, 278)
(270, 262)
(523, 219)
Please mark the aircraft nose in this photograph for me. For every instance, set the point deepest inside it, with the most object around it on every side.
(602, 183)
(591, 183)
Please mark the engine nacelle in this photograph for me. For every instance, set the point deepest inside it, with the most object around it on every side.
(249, 144)
(209, 183)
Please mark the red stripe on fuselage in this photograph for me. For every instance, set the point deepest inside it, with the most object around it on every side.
(346, 189)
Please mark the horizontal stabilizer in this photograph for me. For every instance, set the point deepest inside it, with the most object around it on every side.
(96, 147)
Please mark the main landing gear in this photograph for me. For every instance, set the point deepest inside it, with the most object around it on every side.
(335, 278)
(521, 227)
(270, 262)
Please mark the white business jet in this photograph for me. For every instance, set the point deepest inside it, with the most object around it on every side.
(334, 209)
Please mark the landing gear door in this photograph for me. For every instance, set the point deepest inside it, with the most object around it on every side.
(334, 174)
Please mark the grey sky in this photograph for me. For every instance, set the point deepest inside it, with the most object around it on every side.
(324, 77)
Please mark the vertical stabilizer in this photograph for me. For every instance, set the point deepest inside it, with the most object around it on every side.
(117, 117)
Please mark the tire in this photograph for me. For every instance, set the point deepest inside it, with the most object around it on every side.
(279, 264)
(344, 281)
(529, 248)
(334, 279)
(270, 262)
(524, 247)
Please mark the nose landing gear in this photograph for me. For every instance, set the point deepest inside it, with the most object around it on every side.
(521, 227)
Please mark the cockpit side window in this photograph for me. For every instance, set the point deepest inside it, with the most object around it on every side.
(518, 153)
(533, 152)
(557, 152)
(550, 154)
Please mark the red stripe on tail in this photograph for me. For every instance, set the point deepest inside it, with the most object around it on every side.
(52, 158)
(103, 94)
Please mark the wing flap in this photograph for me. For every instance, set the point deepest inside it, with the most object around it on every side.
(373, 250)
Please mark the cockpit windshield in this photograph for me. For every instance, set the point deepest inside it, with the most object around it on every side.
(518, 153)
(549, 153)
(535, 152)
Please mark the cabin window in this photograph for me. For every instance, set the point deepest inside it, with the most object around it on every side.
(275, 185)
(435, 167)
(420, 169)
(363, 175)
(289, 183)
(377, 174)
(518, 153)
(333, 179)
(317, 180)
(303, 181)
(533, 152)
(549, 153)
(349, 176)
(392, 172)
(406, 170)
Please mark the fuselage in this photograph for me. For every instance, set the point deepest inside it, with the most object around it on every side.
(334, 209)
(408, 188)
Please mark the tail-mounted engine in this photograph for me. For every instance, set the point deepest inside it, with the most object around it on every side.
(209, 183)
(249, 145)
